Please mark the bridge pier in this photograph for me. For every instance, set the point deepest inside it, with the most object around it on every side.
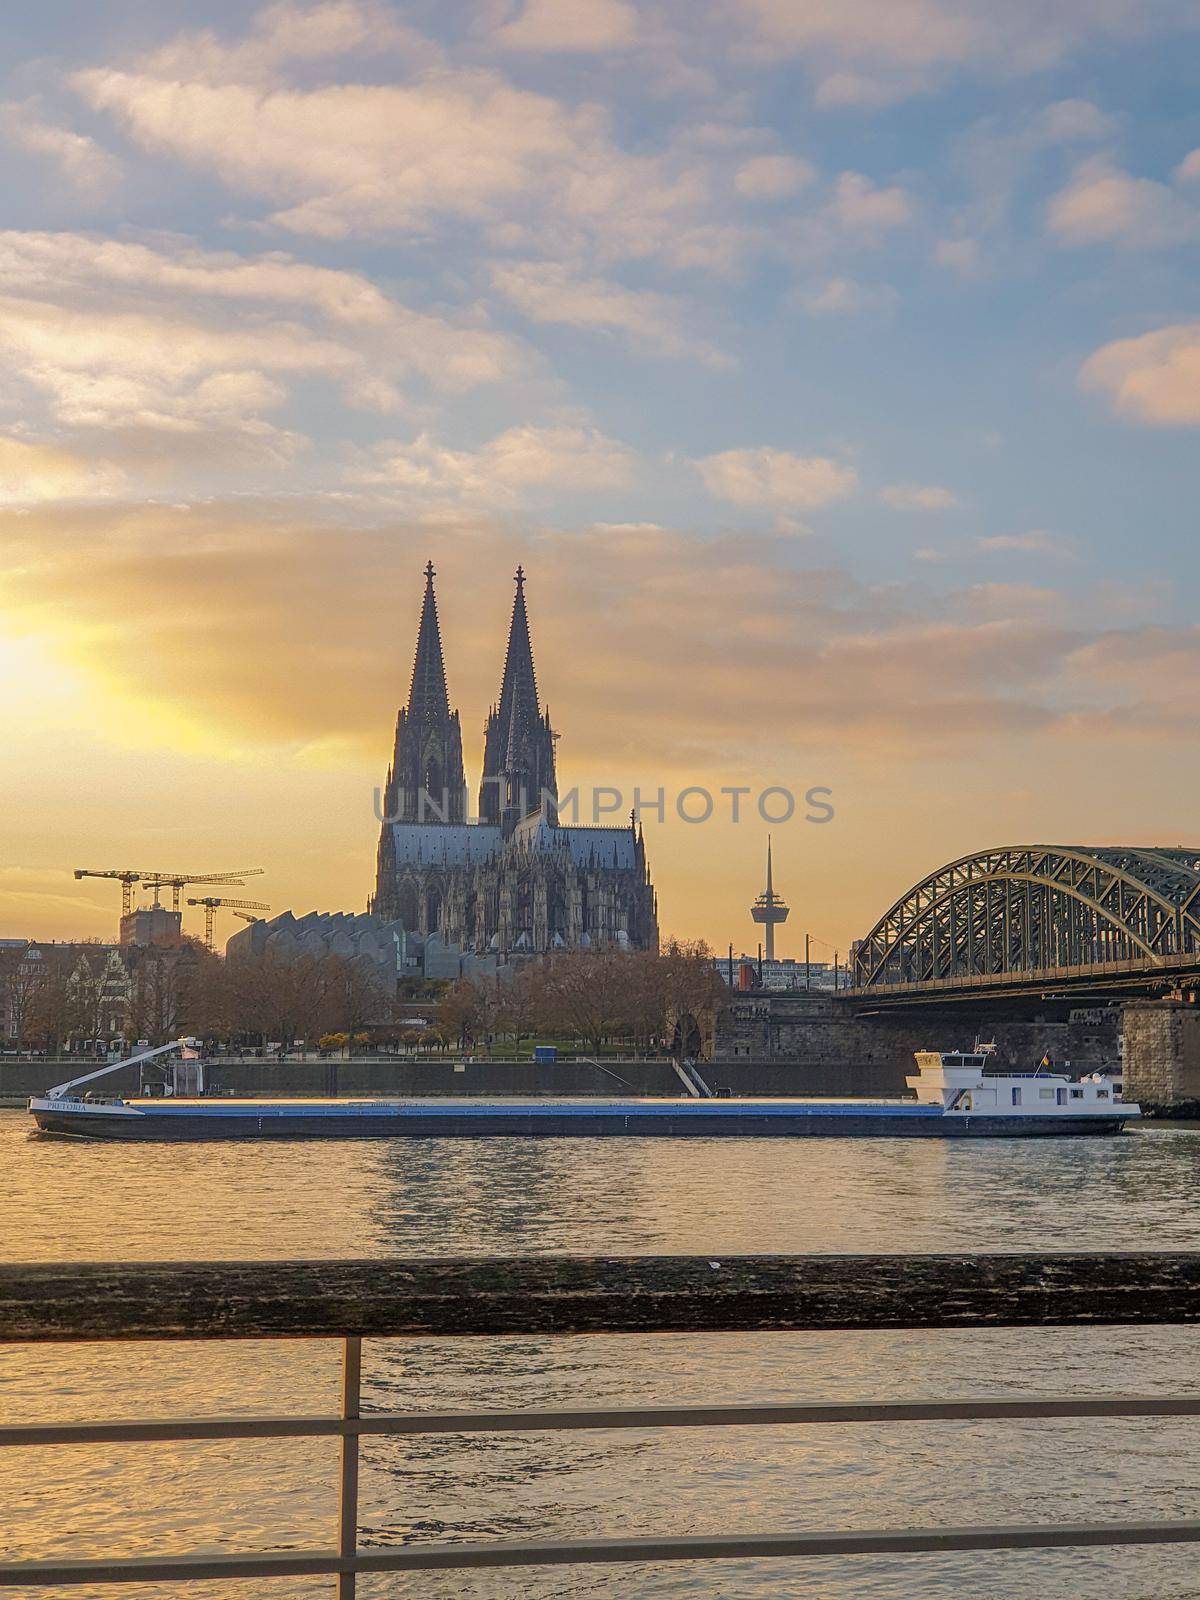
(1162, 1052)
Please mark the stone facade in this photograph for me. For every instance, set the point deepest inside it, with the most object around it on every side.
(820, 1039)
(71, 995)
(515, 882)
(1162, 1052)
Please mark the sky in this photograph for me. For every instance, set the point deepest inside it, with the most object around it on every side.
(833, 369)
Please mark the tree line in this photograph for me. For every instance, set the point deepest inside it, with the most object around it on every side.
(639, 999)
(74, 997)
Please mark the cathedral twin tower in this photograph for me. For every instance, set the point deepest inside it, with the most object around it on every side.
(515, 881)
(427, 780)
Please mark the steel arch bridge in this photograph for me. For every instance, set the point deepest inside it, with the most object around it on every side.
(1039, 913)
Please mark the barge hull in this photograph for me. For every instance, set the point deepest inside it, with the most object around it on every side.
(459, 1122)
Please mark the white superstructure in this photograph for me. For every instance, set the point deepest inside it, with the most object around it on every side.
(959, 1082)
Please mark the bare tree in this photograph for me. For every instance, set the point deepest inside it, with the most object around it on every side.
(587, 993)
(354, 996)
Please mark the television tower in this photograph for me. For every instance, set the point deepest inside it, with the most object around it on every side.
(770, 908)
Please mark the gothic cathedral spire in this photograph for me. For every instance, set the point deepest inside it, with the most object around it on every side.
(518, 750)
(426, 782)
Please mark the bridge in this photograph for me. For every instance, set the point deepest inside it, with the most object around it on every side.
(1038, 919)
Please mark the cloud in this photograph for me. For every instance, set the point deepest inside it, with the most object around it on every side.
(1001, 157)
(919, 497)
(772, 177)
(1036, 542)
(864, 52)
(52, 262)
(959, 255)
(844, 297)
(861, 206)
(905, 33)
(83, 270)
(31, 473)
(1127, 668)
(547, 292)
(1188, 169)
(119, 369)
(1154, 378)
(579, 27)
(463, 146)
(880, 671)
(129, 338)
(767, 477)
(283, 35)
(90, 170)
(1102, 204)
(858, 89)
(506, 470)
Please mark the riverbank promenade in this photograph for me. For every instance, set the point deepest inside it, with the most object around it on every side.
(574, 1297)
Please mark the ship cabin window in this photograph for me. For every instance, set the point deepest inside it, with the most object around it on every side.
(1016, 1097)
(1102, 1094)
(1076, 1094)
(953, 1061)
(1062, 1097)
(1046, 1094)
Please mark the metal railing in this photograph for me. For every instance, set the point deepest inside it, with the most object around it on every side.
(549, 1295)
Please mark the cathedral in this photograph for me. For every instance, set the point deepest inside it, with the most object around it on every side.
(513, 881)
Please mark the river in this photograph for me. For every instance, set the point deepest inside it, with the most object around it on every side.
(61, 1201)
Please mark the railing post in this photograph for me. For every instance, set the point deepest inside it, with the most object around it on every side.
(348, 1488)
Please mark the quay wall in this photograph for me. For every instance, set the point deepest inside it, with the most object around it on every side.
(798, 1037)
(367, 1075)
(761, 1043)
(374, 1076)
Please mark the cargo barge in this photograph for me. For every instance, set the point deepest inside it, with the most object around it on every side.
(955, 1097)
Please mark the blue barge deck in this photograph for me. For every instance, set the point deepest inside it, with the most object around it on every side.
(219, 1118)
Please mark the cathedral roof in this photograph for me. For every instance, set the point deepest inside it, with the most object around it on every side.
(444, 844)
(601, 847)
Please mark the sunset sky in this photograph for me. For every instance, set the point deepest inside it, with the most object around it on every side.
(832, 367)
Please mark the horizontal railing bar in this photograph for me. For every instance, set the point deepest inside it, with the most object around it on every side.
(582, 1552)
(1030, 1407)
(557, 1295)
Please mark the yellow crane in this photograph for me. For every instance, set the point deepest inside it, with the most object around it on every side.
(129, 877)
(177, 881)
(126, 878)
(211, 902)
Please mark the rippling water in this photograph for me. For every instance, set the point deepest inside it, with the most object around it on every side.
(62, 1201)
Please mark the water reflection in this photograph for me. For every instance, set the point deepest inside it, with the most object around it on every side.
(62, 1201)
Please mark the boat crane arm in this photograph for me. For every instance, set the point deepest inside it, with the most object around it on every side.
(60, 1089)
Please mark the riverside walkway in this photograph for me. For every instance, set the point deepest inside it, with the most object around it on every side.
(355, 1300)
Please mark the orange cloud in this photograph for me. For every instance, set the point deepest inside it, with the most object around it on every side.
(1153, 378)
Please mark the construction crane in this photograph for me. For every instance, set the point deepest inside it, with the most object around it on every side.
(210, 902)
(247, 916)
(126, 879)
(176, 881)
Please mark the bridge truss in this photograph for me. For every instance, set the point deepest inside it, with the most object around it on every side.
(1038, 909)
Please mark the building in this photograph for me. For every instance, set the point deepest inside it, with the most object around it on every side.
(513, 881)
(153, 925)
(83, 995)
(782, 972)
(388, 949)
